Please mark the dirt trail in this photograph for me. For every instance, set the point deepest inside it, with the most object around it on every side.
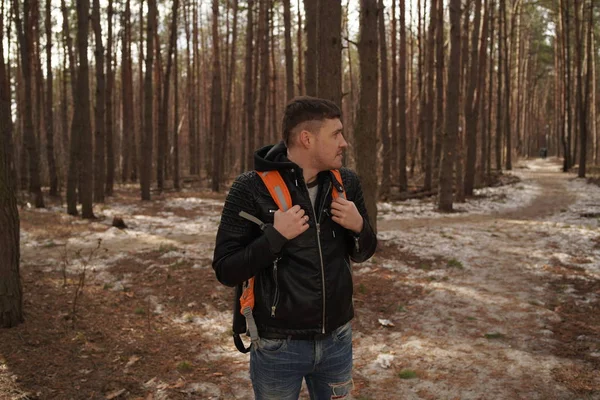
(494, 329)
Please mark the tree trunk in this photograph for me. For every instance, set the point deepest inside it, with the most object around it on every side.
(366, 127)
(110, 83)
(488, 162)
(300, 51)
(25, 35)
(263, 45)
(472, 104)
(52, 173)
(216, 103)
(311, 55)
(100, 138)
(147, 139)
(384, 108)
(289, 57)
(481, 91)
(507, 90)
(249, 99)
(452, 111)
(176, 123)
(82, 121)
(427, 111)
(402, 145)
(329, 57)
(127, 115)
(163, 121)
(11, 290)
(499, 103)
(439, 89)
(393, 155)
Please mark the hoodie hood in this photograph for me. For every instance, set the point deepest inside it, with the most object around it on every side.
(272, 157)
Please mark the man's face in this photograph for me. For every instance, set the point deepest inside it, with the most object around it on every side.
(329, 145)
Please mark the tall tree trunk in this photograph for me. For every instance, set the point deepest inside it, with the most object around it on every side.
(81, 164)
(300, 51)
(499, 103)
(289, 57)
(163, 118)
(227, 122)
(329, 58)
(127, 115)
(393, 155)
(402, 145)
(439, 89)
(481, 91)
(249, 99)
(147, 140)
(100, 138)
(263, 45)
(427, 112)
(25, 35)
(452, 111)
(384, 108)
(507, 90)
(488, 166)
(110, 83)
(49, 105)
(472, 104)
(366, 127)
(11, 290)
(567, 91)
(311, 56)
(176, 123)
(216, 103)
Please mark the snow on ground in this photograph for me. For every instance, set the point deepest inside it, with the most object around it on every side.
(487, 200)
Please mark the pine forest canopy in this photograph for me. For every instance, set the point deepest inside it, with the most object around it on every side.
(181, 92)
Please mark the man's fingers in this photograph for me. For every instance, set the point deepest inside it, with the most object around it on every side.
(295, 209)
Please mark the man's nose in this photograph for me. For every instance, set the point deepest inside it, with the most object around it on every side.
(344, 144)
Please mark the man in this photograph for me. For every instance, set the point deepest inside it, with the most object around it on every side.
(301, 258)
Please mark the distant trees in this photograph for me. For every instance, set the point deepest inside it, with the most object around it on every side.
(193, 93)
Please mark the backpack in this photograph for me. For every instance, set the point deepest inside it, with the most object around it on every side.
(244, 292)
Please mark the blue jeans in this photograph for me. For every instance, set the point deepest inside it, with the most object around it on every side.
(277, 367)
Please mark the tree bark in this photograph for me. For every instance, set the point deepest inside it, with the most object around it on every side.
(384, 107)
(147, 139)
(216, 103)
(249, 99)
(427, 111)
(11, 290)
(99, 109)
(110, 83)
(366, 127)
(289, 57)
(329, 45)
(52, 173)
(127, 114)
(263, 45)
(25, 35)
(452, 112)
(163, 121)
(402, 145)
(472, 104)
(311, 55)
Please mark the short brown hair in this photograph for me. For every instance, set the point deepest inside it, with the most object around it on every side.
(306, 109)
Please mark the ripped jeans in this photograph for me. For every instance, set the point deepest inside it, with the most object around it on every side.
(278, 366)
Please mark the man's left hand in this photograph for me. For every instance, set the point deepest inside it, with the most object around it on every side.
(346, 214)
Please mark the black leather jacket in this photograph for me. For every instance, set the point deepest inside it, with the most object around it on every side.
(303, 286)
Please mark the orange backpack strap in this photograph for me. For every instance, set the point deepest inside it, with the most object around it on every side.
(277, 188)
(338, 185)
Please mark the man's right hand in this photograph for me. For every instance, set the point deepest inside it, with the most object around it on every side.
(292, 222)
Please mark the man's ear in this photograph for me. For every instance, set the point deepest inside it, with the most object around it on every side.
(305, 138)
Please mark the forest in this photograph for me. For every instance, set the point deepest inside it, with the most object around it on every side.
(472, 125)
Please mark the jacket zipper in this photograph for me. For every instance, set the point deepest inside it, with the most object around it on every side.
(321, 251)
(276, 296)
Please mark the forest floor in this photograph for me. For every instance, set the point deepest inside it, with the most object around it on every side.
(500, 300)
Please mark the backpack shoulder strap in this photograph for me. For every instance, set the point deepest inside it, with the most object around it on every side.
(277, 188)
(338, 185)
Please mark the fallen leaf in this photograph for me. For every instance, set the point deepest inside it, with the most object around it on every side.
(115, 394)
(386, 322)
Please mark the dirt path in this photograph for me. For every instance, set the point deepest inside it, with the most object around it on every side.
(493, 329)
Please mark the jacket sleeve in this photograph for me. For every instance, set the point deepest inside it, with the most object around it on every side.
(364, 244)
(242, 250)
